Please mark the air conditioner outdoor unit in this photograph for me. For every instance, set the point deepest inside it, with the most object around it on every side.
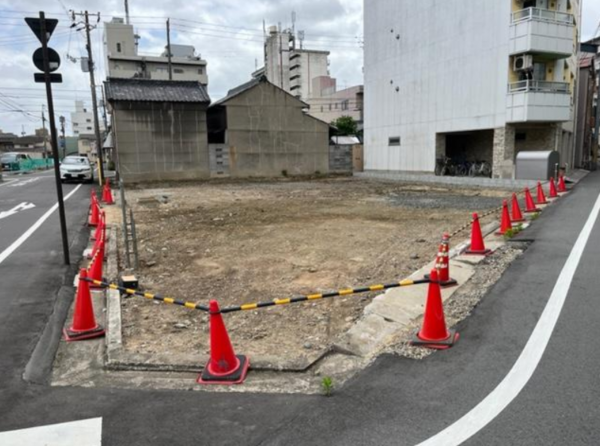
(523, 62)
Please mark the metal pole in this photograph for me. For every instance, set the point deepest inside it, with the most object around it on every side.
(125, 230)
(45, 138)
(94, 102)
(134, 240)
(169, 48)
(54, 140)
(64, 140)
(126, 12)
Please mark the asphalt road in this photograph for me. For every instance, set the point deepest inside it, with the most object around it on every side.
(396, 401)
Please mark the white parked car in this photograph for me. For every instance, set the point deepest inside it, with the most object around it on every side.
(76, 168)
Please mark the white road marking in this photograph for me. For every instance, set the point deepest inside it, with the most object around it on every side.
(8, 251)
(7, 182)
(75, 433)
(16, 209)
(25, 182)
(523, 369)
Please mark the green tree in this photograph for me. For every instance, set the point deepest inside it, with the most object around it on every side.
(346, 126)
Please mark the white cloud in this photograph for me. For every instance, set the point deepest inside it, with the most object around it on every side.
(232, 47)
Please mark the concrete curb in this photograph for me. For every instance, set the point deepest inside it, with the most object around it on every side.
(39, 367)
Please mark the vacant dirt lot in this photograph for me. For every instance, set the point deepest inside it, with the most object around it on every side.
(256, 241)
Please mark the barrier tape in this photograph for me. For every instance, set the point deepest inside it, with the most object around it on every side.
(254, 306)
(132, 292)
(308, 297)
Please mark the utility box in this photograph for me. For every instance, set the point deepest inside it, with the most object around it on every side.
(541, 165)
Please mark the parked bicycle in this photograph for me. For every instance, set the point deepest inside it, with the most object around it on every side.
(480, 169)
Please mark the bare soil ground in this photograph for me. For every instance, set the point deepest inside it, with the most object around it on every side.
(243, 242)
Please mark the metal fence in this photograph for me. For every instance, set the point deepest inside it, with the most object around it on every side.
(545, 15)
(538, 86)
(35, 164)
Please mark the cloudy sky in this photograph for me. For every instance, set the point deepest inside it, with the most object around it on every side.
(227, 33)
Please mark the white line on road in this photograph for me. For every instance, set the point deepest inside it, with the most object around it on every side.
(16, 209)
(75, 433)
(523, 370)
(8, 251)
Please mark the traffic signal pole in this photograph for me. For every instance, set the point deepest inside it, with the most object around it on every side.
(54, 141)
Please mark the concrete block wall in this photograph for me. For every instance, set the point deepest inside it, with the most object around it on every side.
(161, 141)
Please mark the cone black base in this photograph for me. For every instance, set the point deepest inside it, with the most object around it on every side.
(436, 345)
(81, 335)
(236, 377)
(485, 252)
(446, 284)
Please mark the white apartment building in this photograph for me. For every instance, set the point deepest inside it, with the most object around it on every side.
(124, 61)
(290, 68)
(469, 79)
(82, 120)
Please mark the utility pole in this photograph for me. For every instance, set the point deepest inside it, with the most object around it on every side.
(62, 131)
(87, 28)
(169, 48)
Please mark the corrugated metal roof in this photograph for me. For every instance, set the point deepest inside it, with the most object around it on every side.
(146, 90)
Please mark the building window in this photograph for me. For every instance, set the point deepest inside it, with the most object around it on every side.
(345, 105)
(89, 128)
(75, 124)
(200, 70)
(178, 70)
(118, 47)
(76, 132)
(88, 120)
(394, 141)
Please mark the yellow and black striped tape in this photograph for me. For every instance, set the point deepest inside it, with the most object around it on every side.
(132, 292)
(308, 297)
(254, 306)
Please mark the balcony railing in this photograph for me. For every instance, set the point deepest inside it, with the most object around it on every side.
(545, 15)
(538, 86)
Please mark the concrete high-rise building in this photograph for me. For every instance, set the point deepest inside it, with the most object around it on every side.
(293, 69)
(468, 79)
(124, 61)
(82, 120)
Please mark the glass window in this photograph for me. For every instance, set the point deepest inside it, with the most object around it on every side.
(118, 47)
(394, 141)
(178, 70)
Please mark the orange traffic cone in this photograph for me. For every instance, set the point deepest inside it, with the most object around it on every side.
(517, 216)
(562, 187)
(529, 204)
(107, 197)
(505, 223)
(84, 323)
(95, 272)
(224, 367)
(433, 333)
(99, 228)
(553, 193)
(94, 214)
(541, 197)
(442, 263)
(477, 244)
